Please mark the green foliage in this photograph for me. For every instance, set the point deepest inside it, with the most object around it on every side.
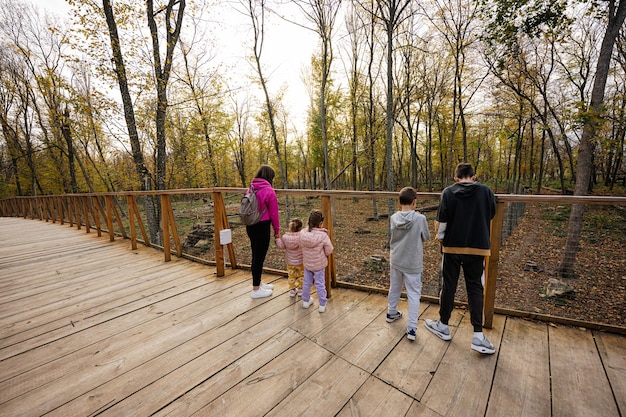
(507, 20)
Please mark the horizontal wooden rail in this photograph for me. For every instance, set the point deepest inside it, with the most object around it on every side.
(78, 208)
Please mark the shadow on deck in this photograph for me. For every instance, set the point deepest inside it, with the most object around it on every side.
(91, 327)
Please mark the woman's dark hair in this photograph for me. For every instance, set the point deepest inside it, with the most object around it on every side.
(266, 172)
(315, 219)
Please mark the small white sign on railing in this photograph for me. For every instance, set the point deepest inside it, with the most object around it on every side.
(226, 236)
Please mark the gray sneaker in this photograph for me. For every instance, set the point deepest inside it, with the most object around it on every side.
(438, 328)
(483, 345)
(393, 317)
(410, 333)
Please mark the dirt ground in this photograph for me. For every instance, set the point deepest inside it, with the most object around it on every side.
(529, 257)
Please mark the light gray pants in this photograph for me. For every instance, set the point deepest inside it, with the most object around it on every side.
(413, 285)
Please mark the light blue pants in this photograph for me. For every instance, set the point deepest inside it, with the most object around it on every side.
(317, 278)
(413, 285)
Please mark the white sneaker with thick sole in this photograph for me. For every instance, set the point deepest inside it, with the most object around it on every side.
(438, 328)
(321, 309)
(261, 293)
(307, 304)
(483, 345)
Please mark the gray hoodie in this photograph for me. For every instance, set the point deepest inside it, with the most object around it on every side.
(409, 229)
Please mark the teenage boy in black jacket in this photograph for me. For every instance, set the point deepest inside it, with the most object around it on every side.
(464, 216)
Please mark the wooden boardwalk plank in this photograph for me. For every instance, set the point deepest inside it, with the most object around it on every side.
(65, 266)
(376, 398)
(411, 365)
(97, 363)
(461, 384)
(101, 289)
(372, 345)
(113, 326)
(522, 381)
(579, 383)
(260, 392)
(613, 353)
(325, 392)
(236, 359)
(313, 324)
(110, 331)
(340, 332)
(74, 318)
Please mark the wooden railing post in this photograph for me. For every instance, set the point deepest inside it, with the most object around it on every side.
(133, 211)
(97, 209)
(331, 272)
(61, 208)
(133, 214)
(52, 207)
(165, 225)
(76, 201)
(491, 265)
(109, 217)
(131, 222)
(167, 217)
(220, 222)
(86, 210)
(44, 208)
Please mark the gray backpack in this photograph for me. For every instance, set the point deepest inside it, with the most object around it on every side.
(249, 208)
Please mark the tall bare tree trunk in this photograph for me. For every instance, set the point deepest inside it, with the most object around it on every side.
(143, 174)
(585, 148)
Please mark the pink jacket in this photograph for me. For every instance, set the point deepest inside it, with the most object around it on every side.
(316, 246)
(290, 243)
(266, 196)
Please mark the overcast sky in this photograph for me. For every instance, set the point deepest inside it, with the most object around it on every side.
(287, 53)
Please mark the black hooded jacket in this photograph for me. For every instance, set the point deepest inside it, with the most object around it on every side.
(467, 208)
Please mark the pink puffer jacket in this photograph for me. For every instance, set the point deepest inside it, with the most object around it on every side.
(290, 243)
(316, 246)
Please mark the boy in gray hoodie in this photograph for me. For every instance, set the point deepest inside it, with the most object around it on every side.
(409, 229)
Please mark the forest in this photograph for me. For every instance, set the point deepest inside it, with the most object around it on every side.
(124, 95)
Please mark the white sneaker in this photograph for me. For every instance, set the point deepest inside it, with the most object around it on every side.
(321, 309)
(267, 286)
(437, 327)
(483, 345)
(261, 293)
(307, 304)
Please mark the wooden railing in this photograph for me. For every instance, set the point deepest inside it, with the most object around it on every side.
(98, 211)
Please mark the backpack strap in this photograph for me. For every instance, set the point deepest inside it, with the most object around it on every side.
(257, 199)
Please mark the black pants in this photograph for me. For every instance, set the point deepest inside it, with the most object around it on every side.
(259, 235)
(473, 269)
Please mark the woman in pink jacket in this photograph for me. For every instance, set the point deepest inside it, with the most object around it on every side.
(316, 246)
(290, 243)
(259, 233)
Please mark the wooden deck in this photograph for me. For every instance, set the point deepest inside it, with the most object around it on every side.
(91, 327)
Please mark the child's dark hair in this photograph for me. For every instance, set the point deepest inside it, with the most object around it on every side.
(464, 170)
(315, 219)
(407, 196)
(295, 225)
(266, 172)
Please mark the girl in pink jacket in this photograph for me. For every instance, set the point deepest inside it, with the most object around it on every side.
(316, 246)
(290, 243)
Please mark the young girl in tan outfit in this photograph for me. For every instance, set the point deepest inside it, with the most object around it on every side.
(316, 246)
(290, 243)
